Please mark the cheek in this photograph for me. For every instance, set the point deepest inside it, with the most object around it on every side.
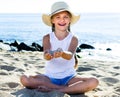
(69, 20)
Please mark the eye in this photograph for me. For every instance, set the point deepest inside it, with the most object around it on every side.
(57, 17)
(66, 17)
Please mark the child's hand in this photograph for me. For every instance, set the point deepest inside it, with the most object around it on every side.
(67, 55)
(57, 54)
(48, 56)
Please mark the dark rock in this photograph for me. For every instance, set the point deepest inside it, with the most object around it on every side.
(1, 40)
(37, 46)
(78, 50)
(86, 46)
(15, 44)
(108, 49)
(24, 46)
(78, 56)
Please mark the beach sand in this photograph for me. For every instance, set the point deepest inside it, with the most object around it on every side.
(14, 64)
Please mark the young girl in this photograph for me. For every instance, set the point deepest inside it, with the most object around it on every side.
(59, 51)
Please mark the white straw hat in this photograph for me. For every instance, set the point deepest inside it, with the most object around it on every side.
(56, 8)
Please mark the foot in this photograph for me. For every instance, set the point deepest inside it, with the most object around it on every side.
(44, 89)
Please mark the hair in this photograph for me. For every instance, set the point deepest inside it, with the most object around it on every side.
(53, 25)
(76, 62)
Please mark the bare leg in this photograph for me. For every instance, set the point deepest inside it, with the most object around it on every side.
(31, 81)
(80, 85)
(40, 81)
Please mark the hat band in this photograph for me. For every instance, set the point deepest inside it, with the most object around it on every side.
(57, 11)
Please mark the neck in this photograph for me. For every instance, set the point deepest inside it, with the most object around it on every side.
(61, 34)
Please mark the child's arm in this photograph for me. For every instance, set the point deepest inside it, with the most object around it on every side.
(66, 55)
(72, 49)
(46, 47)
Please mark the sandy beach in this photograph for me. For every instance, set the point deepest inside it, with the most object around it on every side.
(14, 64)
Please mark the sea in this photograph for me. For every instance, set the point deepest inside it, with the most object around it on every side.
(101, 30)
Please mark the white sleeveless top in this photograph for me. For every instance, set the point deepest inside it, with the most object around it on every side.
(59, 67)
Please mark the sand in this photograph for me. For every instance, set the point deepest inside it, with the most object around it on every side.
(14, 64)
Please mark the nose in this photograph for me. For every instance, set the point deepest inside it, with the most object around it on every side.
(62, 19)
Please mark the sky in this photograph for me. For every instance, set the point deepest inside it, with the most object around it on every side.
(44, 6)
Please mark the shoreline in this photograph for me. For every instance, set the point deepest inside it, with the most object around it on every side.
(14, 64)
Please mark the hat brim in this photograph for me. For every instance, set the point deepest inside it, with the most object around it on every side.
(47, 19)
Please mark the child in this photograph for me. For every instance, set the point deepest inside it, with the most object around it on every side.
(59, 51)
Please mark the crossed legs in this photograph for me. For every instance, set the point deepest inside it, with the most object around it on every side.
(40, 82)
(80, 85)
(75, 85)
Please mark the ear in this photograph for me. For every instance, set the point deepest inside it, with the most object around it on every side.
(52, 21)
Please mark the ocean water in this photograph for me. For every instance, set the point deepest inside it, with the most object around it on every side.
(102, 30)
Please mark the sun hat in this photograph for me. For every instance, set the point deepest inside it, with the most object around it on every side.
(56, 8)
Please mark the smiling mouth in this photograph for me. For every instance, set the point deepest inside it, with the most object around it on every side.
(62, 24)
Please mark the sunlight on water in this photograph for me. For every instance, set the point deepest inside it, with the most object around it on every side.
(100, 30)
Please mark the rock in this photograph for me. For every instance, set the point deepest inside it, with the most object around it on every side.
(24, 46)
(15, 44)
(1, 40)
(108, 49)
(78, 50)
(4, 46)
(86, 46)
(37, 46)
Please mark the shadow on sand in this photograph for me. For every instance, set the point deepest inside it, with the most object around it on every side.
(34, 93)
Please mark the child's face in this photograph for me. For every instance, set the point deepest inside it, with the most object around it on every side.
(61, 20)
